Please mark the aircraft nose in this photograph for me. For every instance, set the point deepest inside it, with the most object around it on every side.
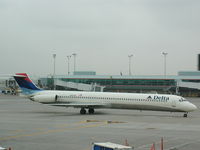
(193, 107)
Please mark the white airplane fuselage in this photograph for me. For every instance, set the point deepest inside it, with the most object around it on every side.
(155, 102)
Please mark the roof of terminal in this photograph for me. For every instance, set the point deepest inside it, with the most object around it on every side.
(173, 77)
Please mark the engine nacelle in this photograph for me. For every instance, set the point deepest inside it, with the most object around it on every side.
(47, 98)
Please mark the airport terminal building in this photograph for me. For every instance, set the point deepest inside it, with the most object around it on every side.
(186, 83)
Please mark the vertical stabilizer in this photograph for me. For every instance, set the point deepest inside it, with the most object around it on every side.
(25, 83)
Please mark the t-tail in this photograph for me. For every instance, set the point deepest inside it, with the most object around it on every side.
(25, 83)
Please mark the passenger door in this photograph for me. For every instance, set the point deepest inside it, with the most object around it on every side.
(173, 103)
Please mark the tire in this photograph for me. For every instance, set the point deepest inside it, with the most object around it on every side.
(82, 111)
(91, 111)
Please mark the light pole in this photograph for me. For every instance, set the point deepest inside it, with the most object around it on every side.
(68, 58)
(54, 70)
(165, 63)
(74, 54)
(130, 56)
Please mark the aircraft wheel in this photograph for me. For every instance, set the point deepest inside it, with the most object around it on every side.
(185, 115)
(82, 111)
(91, 111)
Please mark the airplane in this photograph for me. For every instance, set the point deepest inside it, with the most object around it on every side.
(93, 100)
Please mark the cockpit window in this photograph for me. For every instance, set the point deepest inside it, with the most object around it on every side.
(182, 100)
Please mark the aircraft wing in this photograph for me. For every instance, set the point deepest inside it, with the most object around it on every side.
(80, 105)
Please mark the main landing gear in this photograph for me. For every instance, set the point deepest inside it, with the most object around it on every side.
(90, 111)
(82, 111)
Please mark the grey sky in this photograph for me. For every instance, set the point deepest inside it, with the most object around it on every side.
(102, 32)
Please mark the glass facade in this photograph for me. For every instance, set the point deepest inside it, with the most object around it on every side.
(179, 84)
(113, 83)
(107, 82)
(191, 80)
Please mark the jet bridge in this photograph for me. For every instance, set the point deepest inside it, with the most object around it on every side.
(191, 85)
(79, 86)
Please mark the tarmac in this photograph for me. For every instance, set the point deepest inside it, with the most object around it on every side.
(27, 125)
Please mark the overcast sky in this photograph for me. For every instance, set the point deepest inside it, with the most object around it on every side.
(102, 33)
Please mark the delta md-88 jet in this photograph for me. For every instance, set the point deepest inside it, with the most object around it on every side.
(92, 100)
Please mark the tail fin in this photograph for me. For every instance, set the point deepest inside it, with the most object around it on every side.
(25, 83)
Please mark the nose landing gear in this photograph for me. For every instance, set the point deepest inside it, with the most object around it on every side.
(185, 115)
